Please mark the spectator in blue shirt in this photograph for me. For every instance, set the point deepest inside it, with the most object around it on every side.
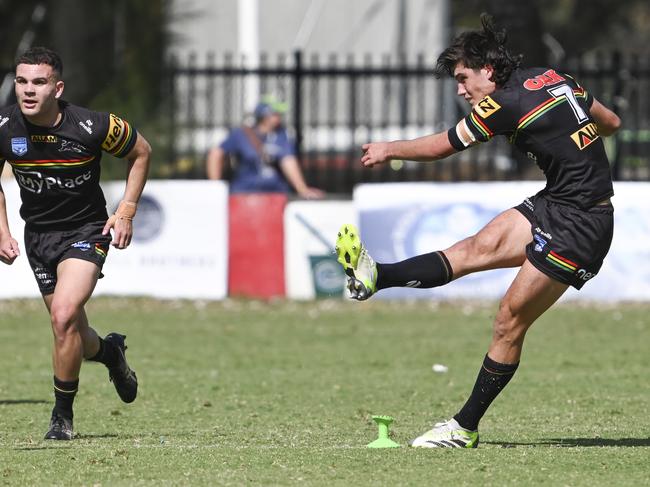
(264, 157)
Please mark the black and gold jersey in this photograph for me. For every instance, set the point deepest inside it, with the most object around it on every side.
(58, 168)
(546, 115)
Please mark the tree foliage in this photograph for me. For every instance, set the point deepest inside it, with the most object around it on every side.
(574, 27)
(113, 53)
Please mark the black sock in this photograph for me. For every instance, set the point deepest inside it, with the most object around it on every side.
(64, 393)
(107, 354)
(492, 378)
(423, 271)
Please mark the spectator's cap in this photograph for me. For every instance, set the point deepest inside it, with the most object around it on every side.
(269, 106)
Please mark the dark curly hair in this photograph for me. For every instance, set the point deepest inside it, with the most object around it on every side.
(478, 48)
(41, 55)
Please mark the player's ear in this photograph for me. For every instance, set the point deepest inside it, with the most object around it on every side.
(489, 71)
(59, 88)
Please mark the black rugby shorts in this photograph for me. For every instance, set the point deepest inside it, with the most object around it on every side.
(46, 249)
(568, 244)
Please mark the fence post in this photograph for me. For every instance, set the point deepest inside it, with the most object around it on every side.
(297, 101)
(172, 72)
(618, 93)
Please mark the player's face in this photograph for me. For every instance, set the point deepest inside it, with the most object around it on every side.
(474, 84)
(37, 90)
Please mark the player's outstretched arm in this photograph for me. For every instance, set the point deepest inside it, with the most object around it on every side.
(427, 148)
(121, 222)
(606, 120)
(8, 245)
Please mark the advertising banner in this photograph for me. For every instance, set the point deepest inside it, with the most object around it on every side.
(179, 247)
(180, 242)
(310, 228)
(402, 220)
(17, 279)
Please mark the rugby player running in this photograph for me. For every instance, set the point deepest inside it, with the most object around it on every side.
(54, 149)
(558, 237)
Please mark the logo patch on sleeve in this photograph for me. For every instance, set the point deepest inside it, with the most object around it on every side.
(116, 131)
(486, 107)
(585, 135)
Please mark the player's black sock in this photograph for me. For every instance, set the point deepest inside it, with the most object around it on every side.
(423, 271)
(107, 354)
(64, 393)
(492, 378)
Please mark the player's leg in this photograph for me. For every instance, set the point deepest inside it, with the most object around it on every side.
(501, 243)
(531, 294)
(75, 283)
(89, 338)
(109, 351)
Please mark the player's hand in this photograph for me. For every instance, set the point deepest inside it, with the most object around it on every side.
(122, 231)
(8, 250)
(375, 153)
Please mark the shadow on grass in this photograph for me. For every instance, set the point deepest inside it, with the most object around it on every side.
(577, 442)
(91, 436)
(10, 402)
(50, 444)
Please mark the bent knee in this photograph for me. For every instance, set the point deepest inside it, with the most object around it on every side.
(485, 244)
(63, 318)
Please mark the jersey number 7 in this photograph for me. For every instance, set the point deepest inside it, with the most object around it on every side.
(565, 91)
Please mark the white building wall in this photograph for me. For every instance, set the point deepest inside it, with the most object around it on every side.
(342, 27)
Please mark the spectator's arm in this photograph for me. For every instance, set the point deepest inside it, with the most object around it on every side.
(215, 162)
(291, 170)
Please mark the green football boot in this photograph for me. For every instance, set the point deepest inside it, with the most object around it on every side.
(448, 434)
(357, 263)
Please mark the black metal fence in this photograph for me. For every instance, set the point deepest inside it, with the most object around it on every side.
(335, 105)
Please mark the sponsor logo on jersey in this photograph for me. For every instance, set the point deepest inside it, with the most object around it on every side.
(540, 243)
(486, 107)
(3, 120)
(116, 130)
(44, 276)
(36, 182)
(71, 146)
(83, 245)
(548, 78)
(585, 135)
(48, 139)
(584, 275)
(19, 145)
(86, 126)
(543, 233)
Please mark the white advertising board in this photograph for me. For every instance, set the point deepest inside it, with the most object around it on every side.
(179, 248)
(17, 279)
(310, 229)
(402, 220)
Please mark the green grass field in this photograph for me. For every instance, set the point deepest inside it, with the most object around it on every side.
(243, 392)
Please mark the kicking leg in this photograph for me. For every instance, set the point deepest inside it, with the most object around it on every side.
(501, 243)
